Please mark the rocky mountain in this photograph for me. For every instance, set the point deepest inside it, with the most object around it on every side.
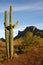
(32, 29)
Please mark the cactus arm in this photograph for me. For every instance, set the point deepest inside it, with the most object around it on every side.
(15, 25)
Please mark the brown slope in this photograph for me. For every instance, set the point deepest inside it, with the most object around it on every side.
(28, 58)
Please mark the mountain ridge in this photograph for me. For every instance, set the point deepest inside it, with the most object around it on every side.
(32, 29)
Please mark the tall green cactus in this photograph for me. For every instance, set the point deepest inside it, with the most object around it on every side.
(6, 34)
(11, 34)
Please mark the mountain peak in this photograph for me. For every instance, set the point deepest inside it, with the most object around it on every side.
(30, 28)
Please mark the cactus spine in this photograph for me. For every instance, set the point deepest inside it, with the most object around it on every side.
(6, 34)
(11, 34)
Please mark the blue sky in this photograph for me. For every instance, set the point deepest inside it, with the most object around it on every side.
(27, 12)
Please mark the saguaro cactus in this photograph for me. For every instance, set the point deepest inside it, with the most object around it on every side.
(11, 34)
(6, 34)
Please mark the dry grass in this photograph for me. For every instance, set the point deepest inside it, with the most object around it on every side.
(28, 58)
